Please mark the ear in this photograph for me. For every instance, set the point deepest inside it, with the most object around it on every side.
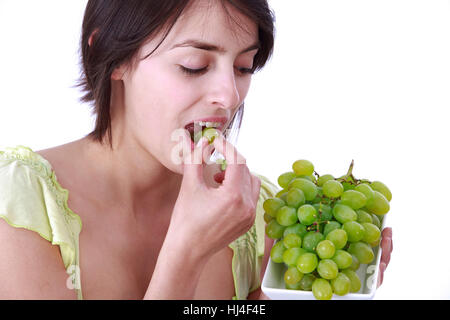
(118, 73)
(91, 37)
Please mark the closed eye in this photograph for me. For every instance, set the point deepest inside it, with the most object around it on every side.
(192, 71)
(200, 71)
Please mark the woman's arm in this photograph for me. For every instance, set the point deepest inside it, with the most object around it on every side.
(31, 267)
(177, 271)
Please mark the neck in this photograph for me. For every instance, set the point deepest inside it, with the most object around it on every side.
(129, 177)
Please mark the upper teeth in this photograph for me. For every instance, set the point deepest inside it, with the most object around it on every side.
(209, 124)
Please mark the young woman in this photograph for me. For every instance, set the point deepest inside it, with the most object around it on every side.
(117, 210)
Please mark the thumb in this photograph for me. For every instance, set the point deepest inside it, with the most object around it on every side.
(193, 163)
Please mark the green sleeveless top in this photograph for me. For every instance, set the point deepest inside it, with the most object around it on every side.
(32, 198)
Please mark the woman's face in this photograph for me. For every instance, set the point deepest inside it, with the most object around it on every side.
(160, 97)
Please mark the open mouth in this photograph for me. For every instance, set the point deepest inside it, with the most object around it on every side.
(196, 129)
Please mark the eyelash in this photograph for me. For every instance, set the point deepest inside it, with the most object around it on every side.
(193, 72)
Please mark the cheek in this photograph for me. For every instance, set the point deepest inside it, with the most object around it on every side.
(161, 88)
(243, 86)
(158, 99)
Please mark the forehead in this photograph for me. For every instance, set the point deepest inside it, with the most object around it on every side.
(209, 21)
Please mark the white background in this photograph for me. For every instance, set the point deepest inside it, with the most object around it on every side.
(362, 80)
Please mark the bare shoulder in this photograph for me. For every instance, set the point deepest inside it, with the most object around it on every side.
(30, 266)
(58, 154)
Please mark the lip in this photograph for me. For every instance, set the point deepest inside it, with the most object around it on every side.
(222, 120)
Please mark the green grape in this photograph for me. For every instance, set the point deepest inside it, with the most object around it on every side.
(311, 240)
(375, 243)
(324, 211)
(295, 286)
(330, 226)
(310, 177)
(355, 263)
(267, 217)
(295, 198)
(223, 163)
(286, 216)
(343, 259)
(307, 262)
(354, 199)
(274, 230)
(338, 237)
(327, 269)
(283, 196)
(362, 251)
(322, 290)
(376, 220)
(341, 284)
(271, 206)
(285, 178)
(307, 214)
(291, 255)
(303, 167)
(281, 192)
(210, 134)
(365, 189)
(354, 230)
(355, 283)
(379, 205)
(382, 188)
(297, 228)
(371, 232)
(347, 182)
(319, 196)
(325, 249)
(322, 179)
(308, 187)
(363, 216)
(343, 213)
(292, 276)
(348, 186)
(292, 240)
(276, 253)
(322, 227)
(332, 189)
(307, 282)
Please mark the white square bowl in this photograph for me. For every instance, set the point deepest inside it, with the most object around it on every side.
(274, 288)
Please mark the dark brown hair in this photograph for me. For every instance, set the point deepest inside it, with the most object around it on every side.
(121, 27)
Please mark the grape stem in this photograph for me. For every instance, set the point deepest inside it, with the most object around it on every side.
(350, 179)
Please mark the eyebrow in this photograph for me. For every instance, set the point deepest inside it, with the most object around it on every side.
(211, 47)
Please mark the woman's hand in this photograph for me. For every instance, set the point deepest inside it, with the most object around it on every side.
(210, 218)
(386, 249)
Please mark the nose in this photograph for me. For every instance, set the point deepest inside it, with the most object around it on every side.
(224, 92)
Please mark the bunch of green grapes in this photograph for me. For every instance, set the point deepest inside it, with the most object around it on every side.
(326, 227)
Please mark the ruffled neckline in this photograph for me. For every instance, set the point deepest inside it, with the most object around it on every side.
(43, 167)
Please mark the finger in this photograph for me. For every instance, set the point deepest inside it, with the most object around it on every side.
(208, 150)
(232, 156)
(193, 163)
(386, 250)
(236, 163)
(387, 232)
(381, 274)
